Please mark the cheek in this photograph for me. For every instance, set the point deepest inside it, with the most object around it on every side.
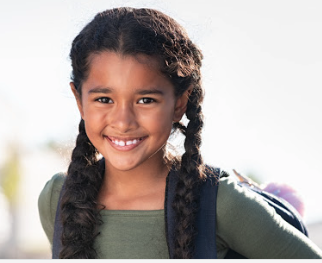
(93, 115)
(94, 121)
(160, 121)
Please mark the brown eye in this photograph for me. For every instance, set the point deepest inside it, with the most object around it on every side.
(104, 100)
(146, 101)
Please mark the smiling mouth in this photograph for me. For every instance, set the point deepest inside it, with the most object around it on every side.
(124, 143)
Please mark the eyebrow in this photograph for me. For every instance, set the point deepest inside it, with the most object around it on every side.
(100, 90)
(140, 91)
(150, 91)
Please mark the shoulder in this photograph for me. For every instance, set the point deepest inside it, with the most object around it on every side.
(235, 201)
(234, 197)
(227, 185)
(47, 203)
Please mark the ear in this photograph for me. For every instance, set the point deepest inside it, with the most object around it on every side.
(78, 98)
(181, 105)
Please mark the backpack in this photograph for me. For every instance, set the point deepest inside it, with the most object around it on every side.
(205, 240)
(281, 206)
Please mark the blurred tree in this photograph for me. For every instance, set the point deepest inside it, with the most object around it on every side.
(10, 182)
(10, 176)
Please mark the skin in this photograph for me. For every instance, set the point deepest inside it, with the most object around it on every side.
(129, 107)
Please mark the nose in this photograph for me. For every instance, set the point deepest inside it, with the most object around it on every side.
(123, 118)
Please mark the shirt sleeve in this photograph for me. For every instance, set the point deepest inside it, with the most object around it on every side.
(47, 204)
(251, 227)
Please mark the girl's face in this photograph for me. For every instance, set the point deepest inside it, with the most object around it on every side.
(128, 107)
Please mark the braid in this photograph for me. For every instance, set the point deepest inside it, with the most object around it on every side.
(191, 171)
(80, 216)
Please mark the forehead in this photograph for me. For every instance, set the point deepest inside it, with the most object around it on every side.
(116, 71)
(152, 62)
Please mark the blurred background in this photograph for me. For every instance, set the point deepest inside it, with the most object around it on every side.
(262, 77)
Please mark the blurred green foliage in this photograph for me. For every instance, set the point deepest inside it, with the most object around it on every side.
(10, 176)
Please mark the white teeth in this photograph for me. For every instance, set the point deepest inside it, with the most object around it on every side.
(123, 143)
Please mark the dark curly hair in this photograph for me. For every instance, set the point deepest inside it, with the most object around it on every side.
(132, 31)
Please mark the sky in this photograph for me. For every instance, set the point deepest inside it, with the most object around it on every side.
(261, 73)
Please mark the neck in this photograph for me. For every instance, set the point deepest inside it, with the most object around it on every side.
(136, 179)
(141, 188)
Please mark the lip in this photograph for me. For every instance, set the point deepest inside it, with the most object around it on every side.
(125, 144)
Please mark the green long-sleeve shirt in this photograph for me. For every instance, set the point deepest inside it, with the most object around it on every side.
(245, 223)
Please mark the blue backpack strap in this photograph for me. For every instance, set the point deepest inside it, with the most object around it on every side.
(58, 229)
(205, 241)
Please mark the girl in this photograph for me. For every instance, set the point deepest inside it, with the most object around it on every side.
(135, 74)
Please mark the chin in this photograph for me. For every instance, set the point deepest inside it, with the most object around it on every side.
(121, 166)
